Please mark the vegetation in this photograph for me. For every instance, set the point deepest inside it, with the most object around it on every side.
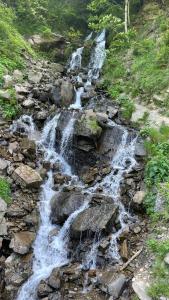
(10, 108)
(5, 190)
(160, 286)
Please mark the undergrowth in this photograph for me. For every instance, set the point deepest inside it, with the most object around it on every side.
(5, 190)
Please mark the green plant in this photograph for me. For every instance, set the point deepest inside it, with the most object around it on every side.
(127, 107)
(5, 190)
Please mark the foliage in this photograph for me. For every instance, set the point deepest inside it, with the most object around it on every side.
(160, 285)
(10, 108)
(5, 190)
(127, 107)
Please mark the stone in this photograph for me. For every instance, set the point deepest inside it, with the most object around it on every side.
(8, 81)
(140, 150)
(28, 103)
(3, 224)
(124, 250)
(94, 219)
(43, 289)
(64, 204)
(22, 242)
(13, 147)
(139, 197)
(3, 227)
(28, 148)
(56, 68)
(112, 284)
(54, 279)
(88, 127)
(20, 89)
(42, 115)
(166, 259)
(17, 75)
(67, 93)
(27, 177)
(140, 287)
(137, 229)
(34, 77)
(5, 95)
(102, 119)
(90, 175)
(3, 166)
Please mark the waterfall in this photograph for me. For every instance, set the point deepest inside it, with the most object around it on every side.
(77, 104)
(76, 59)
(24, 124)
(97, 58)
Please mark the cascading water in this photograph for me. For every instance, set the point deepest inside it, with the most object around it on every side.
(24, 124)
(53, 252)
(97, 58)
(76, 59)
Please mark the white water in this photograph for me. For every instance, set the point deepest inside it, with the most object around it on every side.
(76, 60)
(50, 252)
(97, 58)
(24, 124)
(77, 104)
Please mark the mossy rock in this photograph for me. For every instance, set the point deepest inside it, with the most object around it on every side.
(88, 127)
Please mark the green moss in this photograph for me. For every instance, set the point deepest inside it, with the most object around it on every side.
(5, 190)
(92, 124)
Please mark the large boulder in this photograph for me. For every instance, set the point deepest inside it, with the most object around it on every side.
(47, 43)
(94, 219)
(88, 126)
(27, 177)
(64, 204)
(111, 283)
(22, 242)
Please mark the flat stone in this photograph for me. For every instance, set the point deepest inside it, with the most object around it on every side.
(22, 242)
(27, 177)
(28, 103)
(3, 166)
(140, 287)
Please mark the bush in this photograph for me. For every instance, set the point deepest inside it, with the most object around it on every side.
(5, 190)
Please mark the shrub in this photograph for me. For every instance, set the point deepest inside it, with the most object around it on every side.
(5, 190)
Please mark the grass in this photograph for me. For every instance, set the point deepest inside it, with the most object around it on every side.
(160, 270)
(10, 108)
(5, 190)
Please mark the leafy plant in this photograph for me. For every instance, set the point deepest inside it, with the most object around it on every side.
(5, 190)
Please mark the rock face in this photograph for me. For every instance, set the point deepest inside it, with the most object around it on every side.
(22, 242)
(94, 219)
(27, 177)
(64, 204)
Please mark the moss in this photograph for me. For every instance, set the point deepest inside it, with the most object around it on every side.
(5, 190)
(92, 124)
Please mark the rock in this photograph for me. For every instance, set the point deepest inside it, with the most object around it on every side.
(140, 150)
(64, 204)
(90, 175)
(43, 289)
(45, 44)
(166, 259)
(112, 284)
(42, 115)
(22, 242)
(139, 197)
(28, 103)
(8, 81)
(3, 166)
(5, 95)
(112, 112)
(67, 93)
(140, 287)
(28, 148)
(56, 68)
(102, 119)
(17, 75)
(13, 147)
(20, 89)
(27, 177)
(94, 219)
(54, 279)
(137, 229)
(34, 77)
(3, 225)
(88, 126)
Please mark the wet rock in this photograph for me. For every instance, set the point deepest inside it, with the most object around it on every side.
(54, 279)
(67, 93)
(28, 103)
(61, 179)
(140, 287)
(88, 126)
(90, 175)
(5, 95)
(112, 284)
(3, 166)
(64, 204)
(27, 177)
(94, 219)
(34, 77)
(22, 242)
(43, 289)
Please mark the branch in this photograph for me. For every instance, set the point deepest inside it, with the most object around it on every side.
(131, 259)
